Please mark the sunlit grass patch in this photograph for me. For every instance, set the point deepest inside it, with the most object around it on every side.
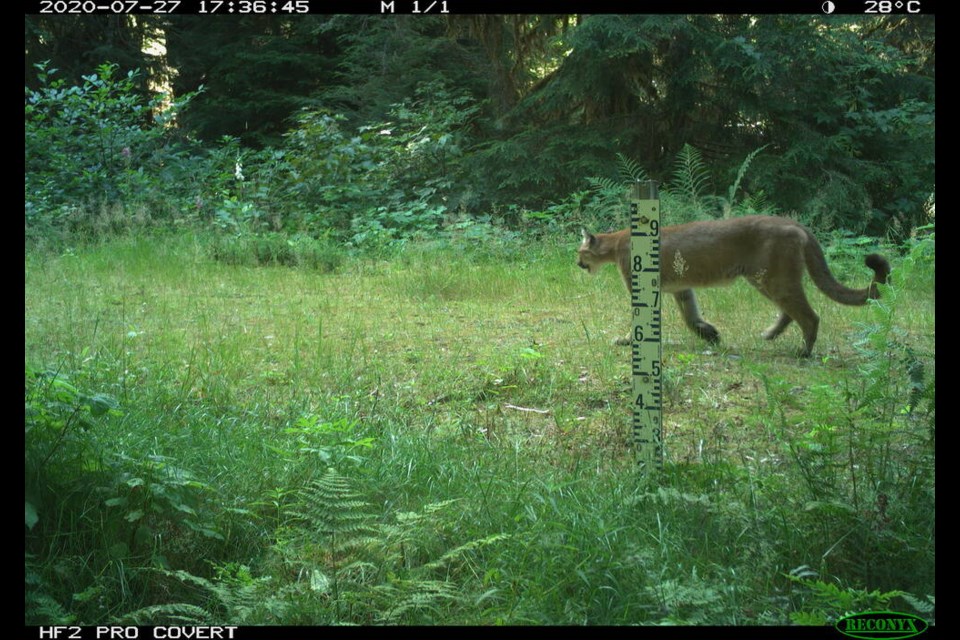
(480, 398)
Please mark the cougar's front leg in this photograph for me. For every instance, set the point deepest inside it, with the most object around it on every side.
(687, 300)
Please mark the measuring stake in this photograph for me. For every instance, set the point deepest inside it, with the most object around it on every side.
(645, 343)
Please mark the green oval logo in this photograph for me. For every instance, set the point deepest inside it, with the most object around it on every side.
(888, 625)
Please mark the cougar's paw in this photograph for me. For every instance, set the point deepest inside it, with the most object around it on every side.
(708, 332)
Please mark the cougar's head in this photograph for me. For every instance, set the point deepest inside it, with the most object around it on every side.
(585, 256)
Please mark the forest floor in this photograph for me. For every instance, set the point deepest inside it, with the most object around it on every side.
(439, 378)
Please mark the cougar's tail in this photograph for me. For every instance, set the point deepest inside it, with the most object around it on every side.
(823, 278)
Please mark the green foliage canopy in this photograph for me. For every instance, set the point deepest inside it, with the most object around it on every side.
(843, 106)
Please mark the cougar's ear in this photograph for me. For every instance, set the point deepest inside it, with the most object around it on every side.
(587, 238)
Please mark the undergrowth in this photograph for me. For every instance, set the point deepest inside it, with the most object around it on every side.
(440, 438)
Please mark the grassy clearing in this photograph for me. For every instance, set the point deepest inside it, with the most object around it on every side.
(296, 447)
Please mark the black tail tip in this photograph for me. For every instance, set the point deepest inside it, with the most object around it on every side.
(880, 266)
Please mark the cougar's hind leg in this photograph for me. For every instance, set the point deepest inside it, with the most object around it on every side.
(777, 327)
(796, 307)
(793, 306)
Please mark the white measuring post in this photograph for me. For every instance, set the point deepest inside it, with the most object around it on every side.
(645, 342)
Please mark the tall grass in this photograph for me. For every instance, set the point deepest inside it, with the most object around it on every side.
(442, 437)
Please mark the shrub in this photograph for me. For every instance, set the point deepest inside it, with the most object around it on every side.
(91, 146)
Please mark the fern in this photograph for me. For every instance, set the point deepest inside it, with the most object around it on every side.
(458, 552)
(340, 526)
(422, 597)
(606, 208)
(235, 596)
(423, 584)
(829, 602)
(176, 614)
(758, 203)
(925, 606)
(604, 185)
(39, 606)
(741, 172)
(630, 170)
(400, 541)
(689, 601)
(690, 176)
(336, 513)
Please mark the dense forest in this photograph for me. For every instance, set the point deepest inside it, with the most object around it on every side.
(400, 124)
(306, 342)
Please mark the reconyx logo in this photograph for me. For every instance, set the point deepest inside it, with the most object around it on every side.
(888, 625)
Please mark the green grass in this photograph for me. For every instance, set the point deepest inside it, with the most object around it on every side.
(395, 388)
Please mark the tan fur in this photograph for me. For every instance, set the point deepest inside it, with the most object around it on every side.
(771, 253)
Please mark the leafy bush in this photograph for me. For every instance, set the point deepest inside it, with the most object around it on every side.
(862, 450)
(97, 142)
(58, 422)
(106, 509)
(386, 183)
